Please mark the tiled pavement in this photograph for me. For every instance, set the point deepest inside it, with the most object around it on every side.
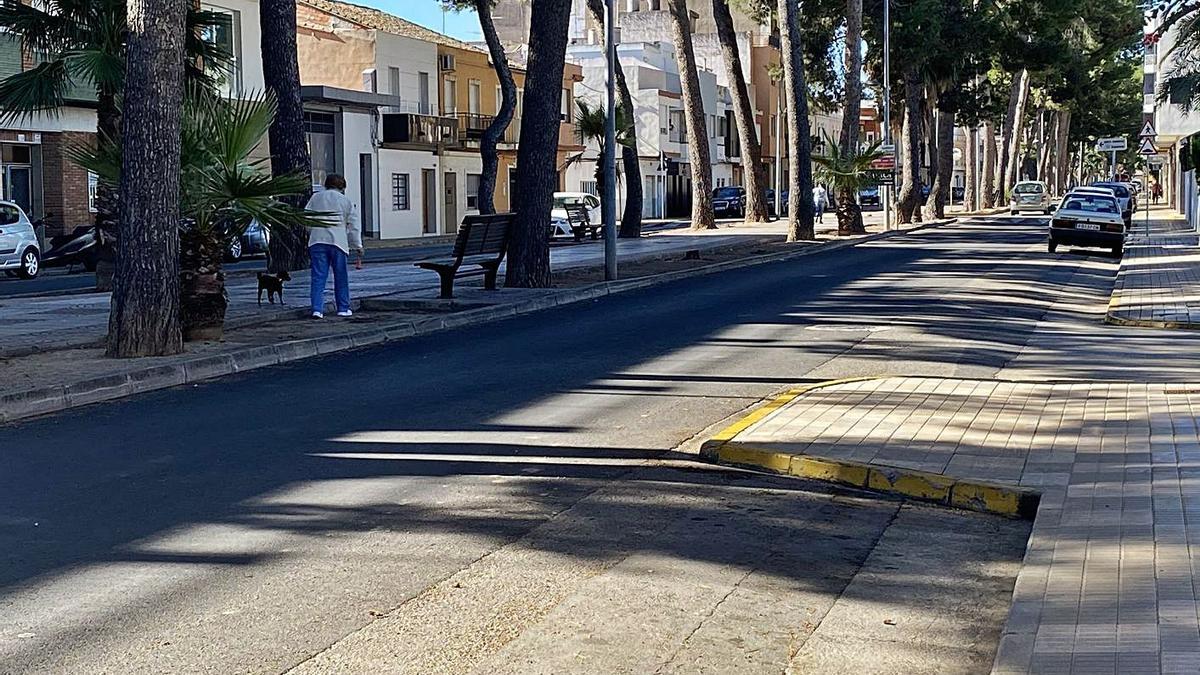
(1109, 581)
(1159, 280)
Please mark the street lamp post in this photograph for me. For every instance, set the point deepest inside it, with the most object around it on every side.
(610, 142)
(887, 110)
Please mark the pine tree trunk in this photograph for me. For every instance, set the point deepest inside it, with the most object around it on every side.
(693, 110)
(631, 217)
(971, 177)
(289, 147)
(852, 60)
(987, 184)
(754, 170)
(537, 149)
(508, 106)
(939, 195)
(1009, 134)
(1014, 147)
(1062, 152)
(909, 199)
(144, 316)
(800, 201)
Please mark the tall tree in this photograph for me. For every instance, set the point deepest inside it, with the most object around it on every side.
(909, 199)
(144, 319)
(852, 61)
(987, 183)
(537, 154)
(1010, 134)
(971, 171)
(791, 47)
(753, 169)
(289, 146)
(492, 136)
(693, 111)
(631, 217)
(939, 193)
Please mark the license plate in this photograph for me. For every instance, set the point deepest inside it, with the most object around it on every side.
(1087, 226)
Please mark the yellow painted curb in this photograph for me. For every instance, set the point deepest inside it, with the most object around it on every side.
(1002, 500)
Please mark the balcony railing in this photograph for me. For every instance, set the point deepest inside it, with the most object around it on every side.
(472, 126)
(409, 106)
(424, 130)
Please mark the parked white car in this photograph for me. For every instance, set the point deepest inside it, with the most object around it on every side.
(1087, 217)
(558, 214)
(19, 251)
(1030, 195)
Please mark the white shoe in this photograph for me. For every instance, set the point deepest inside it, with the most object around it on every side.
(318, 315)
(346, 313)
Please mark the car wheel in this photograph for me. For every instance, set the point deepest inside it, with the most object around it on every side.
(89, 263)
(31, 264)
(1118, 250)
(1052, 246)
(1014, 212)
(235, 251)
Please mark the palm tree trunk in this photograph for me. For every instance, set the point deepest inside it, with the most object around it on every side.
(754, 170)
(508, 106)
(791, 47)
(850, 219)
(289, 147)
(631, 217)
(909, 199)
(971, 178)
(144, 316)
(939, 195)
(987, 185)
(537, 154)
(693, 110)
(108, 125)
(202, 296)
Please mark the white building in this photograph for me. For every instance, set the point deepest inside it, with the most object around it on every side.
(1174, 128)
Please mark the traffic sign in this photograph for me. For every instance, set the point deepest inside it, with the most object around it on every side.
(1156, 160)
(1148, 130)
(884, 163)
(1146, 147)
(881, 177)
(1116, 144)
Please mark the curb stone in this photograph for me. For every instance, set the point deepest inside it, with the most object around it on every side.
(56, 398)
(933, 488)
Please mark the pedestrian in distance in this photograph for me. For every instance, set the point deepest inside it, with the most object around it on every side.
(330, 247)
(820, 201)
(1156, 191)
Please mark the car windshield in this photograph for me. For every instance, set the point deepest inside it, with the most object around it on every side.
(1028, 189)
(561, 202)
(1118, 189)
(870, 191)
(725, 192)
(1091, 204)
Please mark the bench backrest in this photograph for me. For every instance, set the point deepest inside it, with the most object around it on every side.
(483, 235)
(577, 213)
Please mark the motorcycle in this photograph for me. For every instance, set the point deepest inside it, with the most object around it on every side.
(77, 247)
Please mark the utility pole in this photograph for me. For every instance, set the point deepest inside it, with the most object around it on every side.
(610, 142)
(887, 109)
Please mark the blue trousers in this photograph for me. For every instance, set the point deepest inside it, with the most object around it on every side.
(324, 257)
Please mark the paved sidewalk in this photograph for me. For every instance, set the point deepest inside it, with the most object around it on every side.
(1109, 578)
(1158, 284)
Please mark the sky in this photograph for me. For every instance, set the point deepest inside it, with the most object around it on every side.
(462, 25)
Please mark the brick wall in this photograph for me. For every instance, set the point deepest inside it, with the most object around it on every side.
(64, 184)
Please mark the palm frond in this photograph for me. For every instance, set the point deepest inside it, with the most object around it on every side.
(846, 170)
(96, 68)
(39, 89)
(40, 31)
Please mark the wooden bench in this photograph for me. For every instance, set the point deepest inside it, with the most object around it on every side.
(482, 242)
(580, 221)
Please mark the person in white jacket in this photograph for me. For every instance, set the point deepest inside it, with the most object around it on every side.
(329, 247)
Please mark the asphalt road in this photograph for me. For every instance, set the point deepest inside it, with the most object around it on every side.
(478, 481)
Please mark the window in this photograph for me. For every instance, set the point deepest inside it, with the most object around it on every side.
(225, 33)
(319, 130)
(9, 214)
(394, 81)
(93, 184)
(473, 96)
(473, 190)
(499, 99)
(400, 192)
(423, 93)
(450, 95)
(564, 113)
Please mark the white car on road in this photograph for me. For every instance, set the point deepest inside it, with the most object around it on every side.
(1030, 195)
(1088, 218)
(20, 253)
(559, 227)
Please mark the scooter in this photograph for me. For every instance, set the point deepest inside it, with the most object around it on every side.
(77, 247)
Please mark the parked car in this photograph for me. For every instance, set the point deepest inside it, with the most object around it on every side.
(559, 227)
(254, 241)
(1030, 195)
(1124, 198)
(729, 201)
(869, 196)
(77, 247)
(1086, 218)
(20, 254)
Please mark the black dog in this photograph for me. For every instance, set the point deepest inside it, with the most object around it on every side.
(273, 285)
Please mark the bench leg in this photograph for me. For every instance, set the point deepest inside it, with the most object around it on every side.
(447, 279)
(489, 276)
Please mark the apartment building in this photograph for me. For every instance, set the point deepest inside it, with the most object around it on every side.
(1175, 128)
(401, 110)
(35, 169)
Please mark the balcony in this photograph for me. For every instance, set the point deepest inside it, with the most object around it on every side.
(424, 131)
(472, 126)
